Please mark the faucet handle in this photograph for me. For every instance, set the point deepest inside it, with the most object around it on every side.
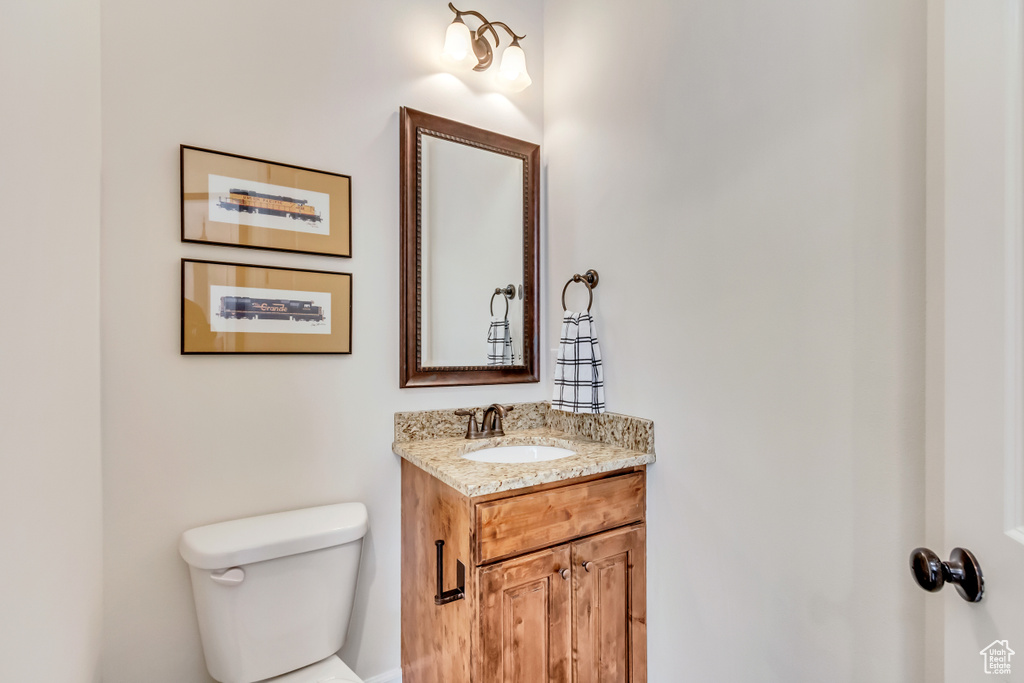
(500, 409)
(472, 431)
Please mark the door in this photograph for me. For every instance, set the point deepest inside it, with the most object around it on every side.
(609, 612)
(525, 627)
(980, 340)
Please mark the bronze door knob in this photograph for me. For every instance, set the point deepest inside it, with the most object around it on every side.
(963, 570)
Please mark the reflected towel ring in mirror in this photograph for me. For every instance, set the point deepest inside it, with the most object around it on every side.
(589, 279)
(507, 293)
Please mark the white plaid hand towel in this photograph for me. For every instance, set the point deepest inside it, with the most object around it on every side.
(579, 377)
(499, 343)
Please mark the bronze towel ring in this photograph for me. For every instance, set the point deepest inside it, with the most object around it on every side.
(589, 279)
(507, 293)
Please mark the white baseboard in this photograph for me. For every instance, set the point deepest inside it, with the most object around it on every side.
(387, 677)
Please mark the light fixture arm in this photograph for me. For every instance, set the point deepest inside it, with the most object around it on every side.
(515, 38)
(483, 26)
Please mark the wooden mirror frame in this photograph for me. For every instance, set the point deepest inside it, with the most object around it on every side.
(413, 373)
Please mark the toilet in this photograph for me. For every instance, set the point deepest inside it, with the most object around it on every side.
(274, 593)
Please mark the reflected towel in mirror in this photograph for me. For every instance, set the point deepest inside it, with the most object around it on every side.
(499, 343)
(579, 376)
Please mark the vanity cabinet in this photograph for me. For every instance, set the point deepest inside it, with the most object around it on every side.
(584, 599)
(555, 580)
(609, 606)
(526, 619)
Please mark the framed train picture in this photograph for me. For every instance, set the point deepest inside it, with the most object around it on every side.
(245, 202)
(236, 308)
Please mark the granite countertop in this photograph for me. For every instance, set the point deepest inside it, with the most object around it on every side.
(435, 442)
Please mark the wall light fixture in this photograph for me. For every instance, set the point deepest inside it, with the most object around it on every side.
(471, 49)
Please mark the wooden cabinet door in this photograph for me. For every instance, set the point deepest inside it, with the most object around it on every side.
(610, 611)
(526, 619)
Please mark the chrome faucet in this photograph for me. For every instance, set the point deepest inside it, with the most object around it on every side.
(490, 425)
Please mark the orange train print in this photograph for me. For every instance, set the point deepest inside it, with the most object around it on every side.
(246, 201)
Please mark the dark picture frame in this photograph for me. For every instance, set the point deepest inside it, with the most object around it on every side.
(237, 308)
(239, 201)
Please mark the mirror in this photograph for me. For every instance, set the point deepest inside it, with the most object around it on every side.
(470, 256)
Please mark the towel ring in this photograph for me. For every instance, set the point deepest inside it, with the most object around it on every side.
(589, 279)
(507, 293)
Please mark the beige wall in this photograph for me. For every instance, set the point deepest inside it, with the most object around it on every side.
(50, 505)
(313, 83)
(749, 180)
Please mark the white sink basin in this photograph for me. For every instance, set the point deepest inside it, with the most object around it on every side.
(518, 454)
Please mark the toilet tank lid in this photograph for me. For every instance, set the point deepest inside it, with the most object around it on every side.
(255, 539)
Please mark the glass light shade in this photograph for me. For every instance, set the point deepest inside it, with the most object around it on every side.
(458, 45)
(512, 73)
(513, 62)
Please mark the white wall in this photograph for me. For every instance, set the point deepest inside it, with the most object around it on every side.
(50, 500)
(749, 180)
(314, 83)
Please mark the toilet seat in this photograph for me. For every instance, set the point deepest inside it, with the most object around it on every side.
(330, 670)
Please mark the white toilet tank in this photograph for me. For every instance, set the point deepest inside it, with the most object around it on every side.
(274, 593)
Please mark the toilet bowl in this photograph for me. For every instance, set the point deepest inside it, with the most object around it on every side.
(330, 670)
(274, 593)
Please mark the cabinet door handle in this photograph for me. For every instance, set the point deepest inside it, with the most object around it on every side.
(588, 565)
(565, 574)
